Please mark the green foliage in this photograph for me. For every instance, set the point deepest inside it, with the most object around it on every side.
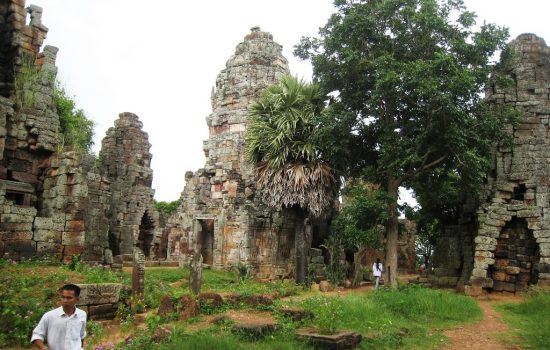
(167, 208)
(279, 141)
(281, 123)
(93, 274)
(530, 320)
(26, 80)
(243, 270)
(336, 268)
(76, 129)
(406, 77)
(360, 222)
(27, 293)
(94, 332)
(327, 310)
(221, 338)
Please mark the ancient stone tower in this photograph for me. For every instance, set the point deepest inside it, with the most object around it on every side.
(125, 159)
(512, 244)
(54, 202)
(221, 214)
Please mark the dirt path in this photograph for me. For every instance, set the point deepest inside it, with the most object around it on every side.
(483, 335)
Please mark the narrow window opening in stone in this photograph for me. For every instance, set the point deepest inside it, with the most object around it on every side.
(146, 234)
(205, 240)
(516, 256)
(519, 192)
(28, 19)
(15, 197)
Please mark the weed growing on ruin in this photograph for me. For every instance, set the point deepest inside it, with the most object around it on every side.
(26, 79)
(531, 318)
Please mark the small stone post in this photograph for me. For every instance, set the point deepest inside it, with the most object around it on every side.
(138, 274)
(195, 273)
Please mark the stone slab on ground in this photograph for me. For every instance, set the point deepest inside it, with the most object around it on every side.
(336, 341)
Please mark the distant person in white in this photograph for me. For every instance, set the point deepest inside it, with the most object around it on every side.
(63, 328)
(377, 270)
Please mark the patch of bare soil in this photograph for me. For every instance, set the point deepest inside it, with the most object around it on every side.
(483, 335)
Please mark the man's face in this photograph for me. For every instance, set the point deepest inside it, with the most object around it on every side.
(68, 299)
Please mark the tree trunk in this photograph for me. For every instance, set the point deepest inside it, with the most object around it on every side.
(300, 246)
(357, 270)
(392, 234)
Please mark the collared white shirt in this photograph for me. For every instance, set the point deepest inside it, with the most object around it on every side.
(62, 332)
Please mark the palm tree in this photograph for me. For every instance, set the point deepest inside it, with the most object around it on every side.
(289, 171)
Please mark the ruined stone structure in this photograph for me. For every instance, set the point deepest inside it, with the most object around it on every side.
(512, 245)
(503, 242)
(62, 203)
(222, 215)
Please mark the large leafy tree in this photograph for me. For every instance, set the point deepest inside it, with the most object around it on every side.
(290, 172)
(411, 73)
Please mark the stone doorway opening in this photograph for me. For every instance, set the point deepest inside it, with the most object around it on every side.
(515, 258)
(205, 240)
(146, 234)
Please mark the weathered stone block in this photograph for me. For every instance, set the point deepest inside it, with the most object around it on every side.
(102, 293)
(16, 226)
(43, 223)
(102, 312)
(479, 272)
(504, 286)
(46, 248)
(75, 225)
(15, 236)
(47, 236)
(499, 275)
(485, 240)
(73, 238)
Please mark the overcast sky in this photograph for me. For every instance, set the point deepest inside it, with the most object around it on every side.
(160, 60)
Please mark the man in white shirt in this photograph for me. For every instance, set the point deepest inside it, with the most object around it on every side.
(64, 328)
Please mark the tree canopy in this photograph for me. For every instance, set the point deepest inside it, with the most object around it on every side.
(406, 79)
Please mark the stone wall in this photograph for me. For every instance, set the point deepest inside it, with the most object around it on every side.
(62, 203)
(221, 213)
(512, 244)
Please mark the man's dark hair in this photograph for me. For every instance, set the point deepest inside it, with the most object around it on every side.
(73, 287)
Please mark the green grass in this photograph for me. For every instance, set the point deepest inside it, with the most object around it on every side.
(530, 320)
(218, 338)
(408, 318)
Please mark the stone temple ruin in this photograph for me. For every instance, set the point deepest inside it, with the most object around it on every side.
(221, 215)
(61, 203)
(504, 244)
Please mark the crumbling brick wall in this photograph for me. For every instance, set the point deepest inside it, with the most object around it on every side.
(512, 244)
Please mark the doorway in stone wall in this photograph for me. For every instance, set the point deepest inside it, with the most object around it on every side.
(515, 257)
(205, 240)
(146, 234)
